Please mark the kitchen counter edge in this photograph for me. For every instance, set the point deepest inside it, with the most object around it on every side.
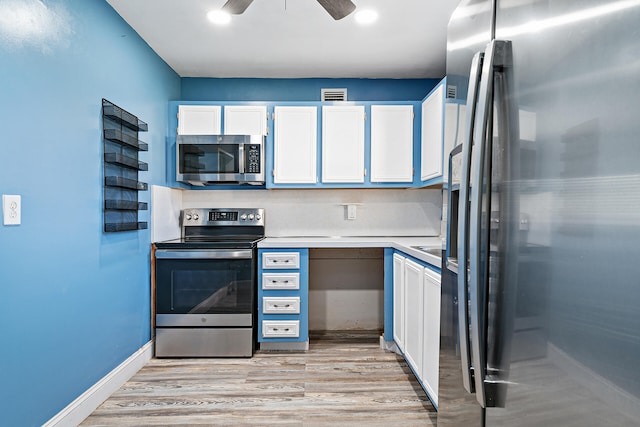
(403, 244)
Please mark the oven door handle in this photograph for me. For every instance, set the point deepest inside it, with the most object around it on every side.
(205, 254)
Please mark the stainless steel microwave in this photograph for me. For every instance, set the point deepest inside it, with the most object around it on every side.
(219, 159)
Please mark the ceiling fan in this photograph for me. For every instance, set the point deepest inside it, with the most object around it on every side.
(338, 9)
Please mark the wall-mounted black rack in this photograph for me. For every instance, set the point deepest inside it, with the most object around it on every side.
(121, 168)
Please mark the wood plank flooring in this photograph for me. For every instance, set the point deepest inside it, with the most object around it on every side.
(345, 379)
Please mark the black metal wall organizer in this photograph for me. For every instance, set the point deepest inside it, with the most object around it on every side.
(121, 168)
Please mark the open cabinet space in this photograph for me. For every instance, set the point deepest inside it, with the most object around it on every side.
(346, 288)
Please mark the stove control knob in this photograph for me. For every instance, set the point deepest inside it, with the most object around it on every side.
(258, 217)
(195, 217)
(251, 217)
(243, 217)
(188, 216)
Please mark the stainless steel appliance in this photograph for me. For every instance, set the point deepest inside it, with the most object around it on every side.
(211, 159)
(206, 285)
(547, 331)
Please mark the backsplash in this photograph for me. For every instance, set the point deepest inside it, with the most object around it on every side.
(323, 212)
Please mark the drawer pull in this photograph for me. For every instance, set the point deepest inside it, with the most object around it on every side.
(285, 329)
(278, 306)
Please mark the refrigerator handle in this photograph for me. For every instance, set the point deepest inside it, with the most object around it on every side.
(463, 224)
(477, 283)
(495, 55)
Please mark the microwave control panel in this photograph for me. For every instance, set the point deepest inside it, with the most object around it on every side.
(253, 158)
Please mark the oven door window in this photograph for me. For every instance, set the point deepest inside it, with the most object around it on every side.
(209, 158)
(204, 286)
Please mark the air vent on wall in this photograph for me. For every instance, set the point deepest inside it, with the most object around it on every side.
(452, 92)
(333, 94)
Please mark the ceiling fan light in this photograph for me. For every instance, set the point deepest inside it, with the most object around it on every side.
(219, 17)
(365, 17)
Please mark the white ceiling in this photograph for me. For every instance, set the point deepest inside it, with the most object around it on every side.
(295, 38)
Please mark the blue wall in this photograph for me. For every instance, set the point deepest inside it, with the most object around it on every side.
(75, 301)
(203, 89)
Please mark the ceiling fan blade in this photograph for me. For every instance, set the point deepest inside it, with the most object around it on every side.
(236, 7)
(338, 9)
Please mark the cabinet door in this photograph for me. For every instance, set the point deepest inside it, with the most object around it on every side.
(245, 120)
(414, 300)
(453, 128)
(343, 143)
(398, 301)
(432, 134)
(295, 145)
(431, 347)
(391, 143)
(199, 119)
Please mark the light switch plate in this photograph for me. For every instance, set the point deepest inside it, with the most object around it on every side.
(11, 209)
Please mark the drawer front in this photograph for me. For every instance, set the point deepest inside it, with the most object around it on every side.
(280, 260)
(280, 328)
(280, 281)
(281, 305)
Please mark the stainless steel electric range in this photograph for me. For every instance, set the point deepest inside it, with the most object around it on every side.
(206, 285)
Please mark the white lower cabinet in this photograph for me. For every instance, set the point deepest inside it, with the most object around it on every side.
(279, 281)
(398, 300)
(283, 298)
(413, 309)
(416, 319)
(281, 305)
(280, 328)
(431, 332)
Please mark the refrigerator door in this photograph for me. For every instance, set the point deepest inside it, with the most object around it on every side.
(468, 33)
(565, 352)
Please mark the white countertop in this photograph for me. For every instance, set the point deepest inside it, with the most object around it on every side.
(404, 244)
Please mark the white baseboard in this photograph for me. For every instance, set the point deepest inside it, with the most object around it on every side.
(389, 345)
(88, 401)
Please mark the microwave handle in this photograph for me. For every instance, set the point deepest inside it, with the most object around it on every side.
(241, 159)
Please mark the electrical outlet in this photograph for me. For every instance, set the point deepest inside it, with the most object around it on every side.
(11, 209)
(351, 211)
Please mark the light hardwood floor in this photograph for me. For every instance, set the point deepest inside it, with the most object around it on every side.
(343, 380)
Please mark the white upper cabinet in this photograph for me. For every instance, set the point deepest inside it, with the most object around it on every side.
(443, 127)
(199, 119)
(454, 131)
(432, 134)
(245, 120)
(343, 144)
(391, 143)
(295, 145)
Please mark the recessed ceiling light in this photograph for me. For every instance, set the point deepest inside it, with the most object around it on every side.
(219, 17)
(367, 16)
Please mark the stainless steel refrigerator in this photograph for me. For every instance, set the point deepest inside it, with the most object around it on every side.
(540, 316)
